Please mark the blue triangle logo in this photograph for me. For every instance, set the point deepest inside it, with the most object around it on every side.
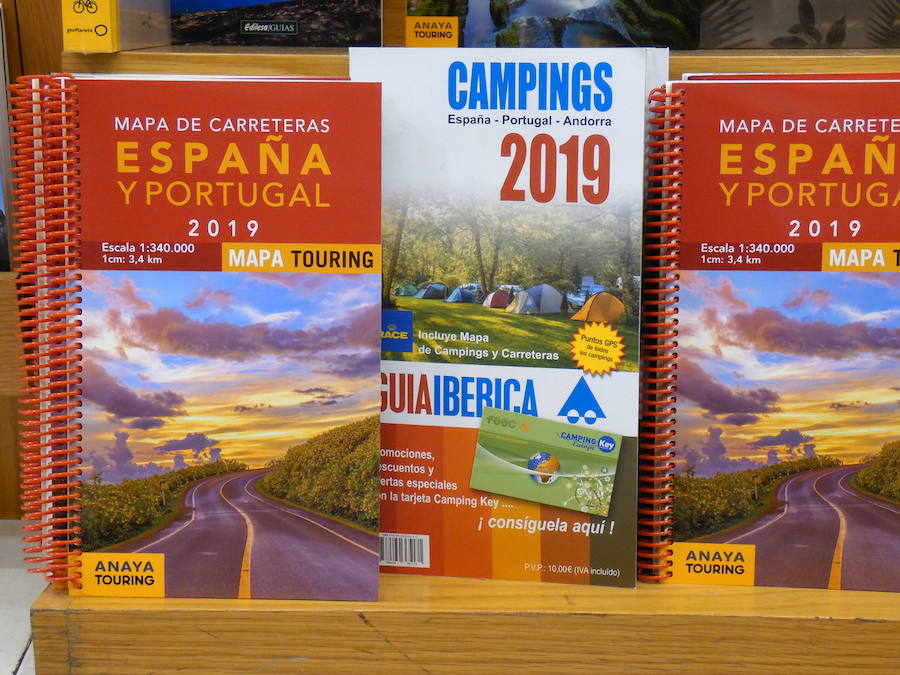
(581, 404)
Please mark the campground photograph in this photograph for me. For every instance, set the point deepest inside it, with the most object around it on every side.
(525, 276)
(788, 434)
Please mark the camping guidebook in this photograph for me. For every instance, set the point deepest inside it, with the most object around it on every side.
(512, 201)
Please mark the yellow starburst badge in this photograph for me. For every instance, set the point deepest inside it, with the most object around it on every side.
(597, 348)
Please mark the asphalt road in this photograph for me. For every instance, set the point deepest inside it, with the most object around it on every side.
(233, 542)
(825, 535)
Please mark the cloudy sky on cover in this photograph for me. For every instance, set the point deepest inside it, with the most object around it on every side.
(187, 367)
(780, 365)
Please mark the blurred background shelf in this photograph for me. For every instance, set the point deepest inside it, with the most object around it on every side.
(36, 48)
(334, 62)
(424, 624)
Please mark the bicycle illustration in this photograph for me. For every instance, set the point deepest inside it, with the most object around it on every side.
(80, 6)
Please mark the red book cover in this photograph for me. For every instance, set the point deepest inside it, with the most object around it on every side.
(218, 246)
(788, 328)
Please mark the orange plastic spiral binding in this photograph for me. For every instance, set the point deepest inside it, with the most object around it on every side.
(45, 189)
(659, 330)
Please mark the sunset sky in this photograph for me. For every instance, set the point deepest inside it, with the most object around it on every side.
(780, 365)
(184, 367)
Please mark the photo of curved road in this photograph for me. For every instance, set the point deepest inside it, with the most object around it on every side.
(825, 535)
(233, 542)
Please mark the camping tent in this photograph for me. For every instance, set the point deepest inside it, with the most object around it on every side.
(522, 303)
(600, 307)
(407, 290)
(462, 294)
(498, 299)
(431, 291)
(575, 301)
(589, 287)
(546, 298)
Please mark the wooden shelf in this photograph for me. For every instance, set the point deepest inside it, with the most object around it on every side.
(425, 624)
(334, 62)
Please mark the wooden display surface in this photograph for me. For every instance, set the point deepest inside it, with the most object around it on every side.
(334, 62)
(432, 624)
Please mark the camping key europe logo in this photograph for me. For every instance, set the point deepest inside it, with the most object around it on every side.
(396, 330)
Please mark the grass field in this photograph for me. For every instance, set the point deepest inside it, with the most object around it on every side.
(514, 332)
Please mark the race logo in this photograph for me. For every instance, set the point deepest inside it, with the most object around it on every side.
(581, 404)
(396, 330)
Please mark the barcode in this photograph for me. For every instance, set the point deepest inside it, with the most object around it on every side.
(404, 550)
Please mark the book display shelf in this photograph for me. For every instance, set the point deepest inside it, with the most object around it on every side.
(426, 624)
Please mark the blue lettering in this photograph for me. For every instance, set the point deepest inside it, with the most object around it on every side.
(503, 88)
(527, 82)
(467, 396)
(529, 401)
(581, 93)
(478, 90)
(451, 396)
(559, 86)
(456, 75)
(483, 389)
(603, 100)
(542, 92)
(508, 387)
(437, 394)
(497, 85)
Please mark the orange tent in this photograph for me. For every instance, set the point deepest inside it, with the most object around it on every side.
(600, 307)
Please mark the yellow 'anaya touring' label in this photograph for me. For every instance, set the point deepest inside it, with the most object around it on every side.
(723, 564)
(135, 575)
(432, 31)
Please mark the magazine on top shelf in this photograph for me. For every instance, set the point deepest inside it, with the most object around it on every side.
(513, 191)
(552, 23)
(777, 200)
(799, 24)
(277, 23)
(200, 294)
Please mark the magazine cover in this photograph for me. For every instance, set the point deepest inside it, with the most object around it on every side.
(509, 385)
(799, 24)
(552, 23)
(228, 304)
(788, 440)
(279, 23)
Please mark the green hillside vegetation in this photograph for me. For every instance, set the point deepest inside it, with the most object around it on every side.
(882, 476)
(335, 473)
(516, 332)
(704, 506)
(116, 512)
(438, 8)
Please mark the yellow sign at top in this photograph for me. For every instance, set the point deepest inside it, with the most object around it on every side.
(432, 31)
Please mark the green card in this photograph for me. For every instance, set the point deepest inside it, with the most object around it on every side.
(544, 461)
